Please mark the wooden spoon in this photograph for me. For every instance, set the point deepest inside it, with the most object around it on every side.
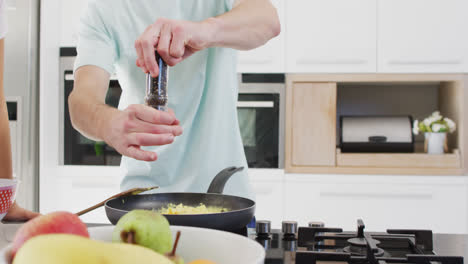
(133, 191)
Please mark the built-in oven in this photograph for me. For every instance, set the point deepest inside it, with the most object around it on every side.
(75, 149)
(260, 113)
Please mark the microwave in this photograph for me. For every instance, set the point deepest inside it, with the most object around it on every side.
(261, 111)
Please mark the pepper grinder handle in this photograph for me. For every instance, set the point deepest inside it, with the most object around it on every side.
(156, 88)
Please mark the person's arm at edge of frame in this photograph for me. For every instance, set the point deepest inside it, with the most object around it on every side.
(6, 172)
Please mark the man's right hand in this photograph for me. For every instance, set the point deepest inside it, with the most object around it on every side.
(140, 125)
(128, 130)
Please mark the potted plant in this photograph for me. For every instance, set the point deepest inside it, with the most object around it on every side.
(435, 129)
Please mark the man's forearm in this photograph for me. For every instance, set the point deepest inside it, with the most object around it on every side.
(88, 116)
(6, 170)
(88, 111)
(248, 25)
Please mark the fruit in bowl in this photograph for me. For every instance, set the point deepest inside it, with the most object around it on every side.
(7, 195)
(52, 223)
(65, 248)
(145, 228)
(196, 245)
(148, 229)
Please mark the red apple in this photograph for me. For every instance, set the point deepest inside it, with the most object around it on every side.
(52, 223)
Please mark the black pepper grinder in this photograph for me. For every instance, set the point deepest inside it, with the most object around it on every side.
(156, 88)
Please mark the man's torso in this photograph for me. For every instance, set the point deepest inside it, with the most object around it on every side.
(202, 92)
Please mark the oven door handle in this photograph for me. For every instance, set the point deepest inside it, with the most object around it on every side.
(71, 77)
(255, 104)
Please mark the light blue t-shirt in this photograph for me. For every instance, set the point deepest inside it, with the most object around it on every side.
(202, 91)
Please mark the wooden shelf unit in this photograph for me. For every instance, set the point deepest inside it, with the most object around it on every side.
(398, 160)
(311, 109)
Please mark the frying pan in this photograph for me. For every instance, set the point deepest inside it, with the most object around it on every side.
(240, 210)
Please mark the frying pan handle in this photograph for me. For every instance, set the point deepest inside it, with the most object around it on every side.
(218, 183)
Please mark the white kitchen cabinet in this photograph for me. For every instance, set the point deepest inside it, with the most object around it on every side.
(74, 188)
(268, 185)
(330, 36)
(77, 192)
(422, 36)
(70, 13)
(383, 202)
(270, 57)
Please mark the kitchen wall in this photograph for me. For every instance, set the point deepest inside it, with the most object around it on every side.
(319, 36)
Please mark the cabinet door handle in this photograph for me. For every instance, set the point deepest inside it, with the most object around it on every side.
(71, 77)
(331, 61)
(93, 184)
(391, 196)
(424, 62)
(263, 190)
(255, 61)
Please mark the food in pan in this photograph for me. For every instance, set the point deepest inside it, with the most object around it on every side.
(172, 209)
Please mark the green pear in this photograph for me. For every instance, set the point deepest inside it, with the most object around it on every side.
(73, 249)
(145, 228)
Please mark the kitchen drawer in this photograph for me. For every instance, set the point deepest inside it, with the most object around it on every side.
(268, 186)
(84, 195)
(399, 160)
(76, 195)
(423, 202)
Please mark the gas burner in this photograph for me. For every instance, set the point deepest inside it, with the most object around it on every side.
(360, 245)
(320, 244)
(317, 244)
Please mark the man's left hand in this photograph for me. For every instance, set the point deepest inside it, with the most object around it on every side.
(17, 213)
(174, 40)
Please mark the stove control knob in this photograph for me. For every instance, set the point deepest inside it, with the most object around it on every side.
(316, 224)
(263, 227)
(290, 245)
(289, 227)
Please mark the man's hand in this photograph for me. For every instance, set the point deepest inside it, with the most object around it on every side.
(140, 125)
(250, 24)
(17, 213)
(174, 40)
(126, 131)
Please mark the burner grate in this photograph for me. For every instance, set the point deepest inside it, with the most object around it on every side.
(395, 246)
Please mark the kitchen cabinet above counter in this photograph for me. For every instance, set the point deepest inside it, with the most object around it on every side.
(330, 36)
(384, 36)
(269, 58)
(347, 36)
(422, 36)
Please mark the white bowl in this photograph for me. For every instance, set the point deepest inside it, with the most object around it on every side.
(197, 243)
(7, 195)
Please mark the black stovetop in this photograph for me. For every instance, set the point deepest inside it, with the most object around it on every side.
(326, 245)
